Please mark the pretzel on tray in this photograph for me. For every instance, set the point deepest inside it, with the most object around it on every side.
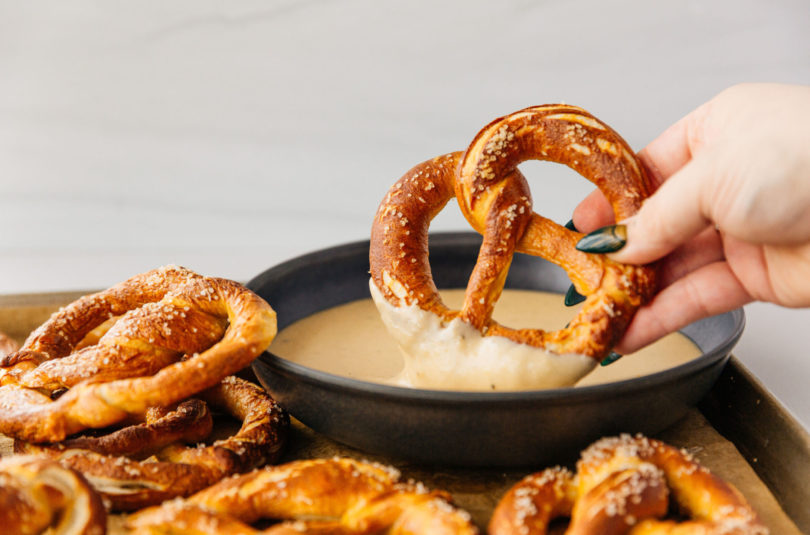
(39, 496)
(495, 198)
(624, 485)
(178, 334)
(323, 496)
(170, 469)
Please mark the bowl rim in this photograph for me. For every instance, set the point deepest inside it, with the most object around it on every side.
(430, 396)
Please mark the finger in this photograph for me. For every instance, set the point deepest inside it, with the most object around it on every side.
(704, 249)
(671, 150)
(677, 145)
(664, 156)
(712, 289)
(671, 216)
(593, 212)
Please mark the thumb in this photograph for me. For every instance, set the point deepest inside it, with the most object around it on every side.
(676, 212)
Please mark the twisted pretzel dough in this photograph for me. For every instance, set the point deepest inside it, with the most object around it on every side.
(335, 496)
(495, 198)
(39, 496)
(175, 470)
(190, 422)
(623, 485)
(138, 363)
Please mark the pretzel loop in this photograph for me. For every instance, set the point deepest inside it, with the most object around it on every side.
(39, 496)
(497, 203)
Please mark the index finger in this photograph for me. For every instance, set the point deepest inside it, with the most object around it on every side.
(661, 158)
(674, 147)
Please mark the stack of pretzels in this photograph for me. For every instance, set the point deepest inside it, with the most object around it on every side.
(115, 385)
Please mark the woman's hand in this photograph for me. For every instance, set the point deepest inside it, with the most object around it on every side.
(730, 218)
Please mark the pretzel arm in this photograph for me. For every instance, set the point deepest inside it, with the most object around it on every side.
(398, 255)
(530, 505)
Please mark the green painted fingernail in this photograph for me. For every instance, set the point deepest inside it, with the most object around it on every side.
(573, 297)
(607, 239)
(570, 225)
(610, 359)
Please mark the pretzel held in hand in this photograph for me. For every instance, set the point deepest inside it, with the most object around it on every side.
(624, 485)
(335, 496)
(495, 198)
(173, 469)
(39, 496)
(165, 315)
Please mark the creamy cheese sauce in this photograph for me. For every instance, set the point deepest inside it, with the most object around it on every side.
(351, 340)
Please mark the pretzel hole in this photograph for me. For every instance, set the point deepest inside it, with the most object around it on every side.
(556, 188)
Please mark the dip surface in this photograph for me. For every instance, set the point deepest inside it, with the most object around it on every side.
(351, 340)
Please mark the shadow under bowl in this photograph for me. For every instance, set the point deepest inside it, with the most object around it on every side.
(483, 429)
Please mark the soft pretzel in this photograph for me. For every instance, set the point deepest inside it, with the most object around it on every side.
(335, 496)
(39, 496)
(495, 198)
(138, 363)
(624, 485)
(175, 470)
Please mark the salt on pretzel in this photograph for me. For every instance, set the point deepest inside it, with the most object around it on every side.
(176, 470)
(495, 198)
(39, 496)
(138, 363)
(624, 485)
(333, 496)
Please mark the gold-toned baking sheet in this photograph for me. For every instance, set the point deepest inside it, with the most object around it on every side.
(478, 490)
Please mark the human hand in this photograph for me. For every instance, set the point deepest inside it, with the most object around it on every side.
(730, 217)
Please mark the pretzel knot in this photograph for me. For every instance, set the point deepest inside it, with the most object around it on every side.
(334, 496)
(624, 485)
(176, 334)
(495, 198)
(39, 496)
(169, 469)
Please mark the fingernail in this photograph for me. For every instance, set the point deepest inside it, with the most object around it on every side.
(573, 297)
(607, 239)
(610, 359)
(570, 225)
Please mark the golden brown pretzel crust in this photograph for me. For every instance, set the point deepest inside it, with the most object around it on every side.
(189, 422)
(175, 470)
(624, 485)
(398, 254)
(495, 198)
(166, 313)
(315, 496)
(38, 496)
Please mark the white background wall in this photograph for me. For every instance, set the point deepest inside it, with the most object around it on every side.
(229, 136)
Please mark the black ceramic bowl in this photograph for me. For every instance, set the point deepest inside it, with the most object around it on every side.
(469, 428)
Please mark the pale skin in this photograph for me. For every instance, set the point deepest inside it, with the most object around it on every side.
(730, 218)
